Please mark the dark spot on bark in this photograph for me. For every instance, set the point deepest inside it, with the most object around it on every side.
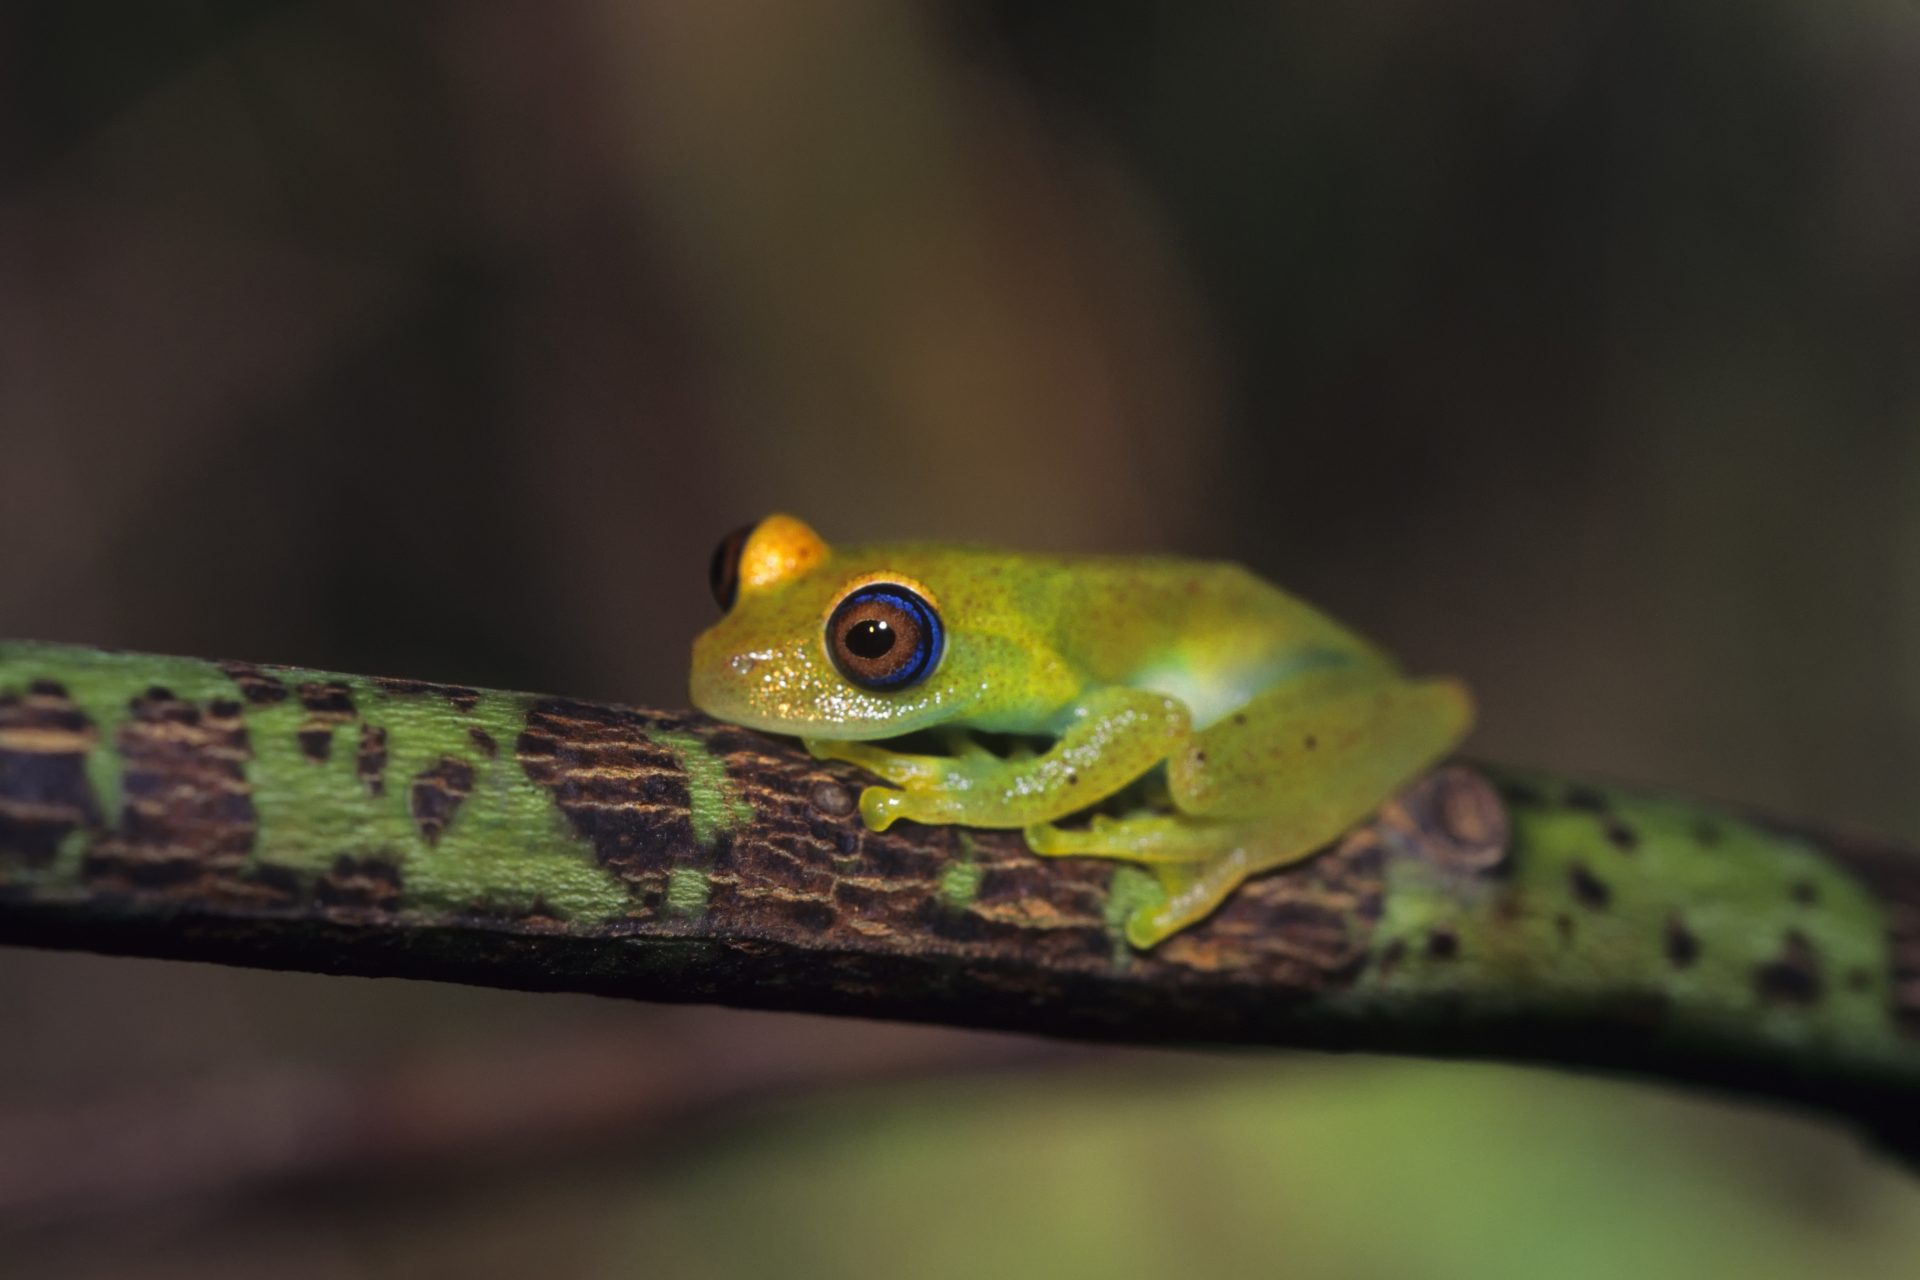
(436, 795)
(459, 696)
(44, 792)
(160, 871)
(1586, 798)
(160, 706)
(1588, 889)
(858, 898)
(327, 698)
(1682, 947)
(1706, 834)
(283, 883)
(942, 921)
(482, 741)
(1805, 892)
(45, 688)
(187, 821)
(1443, 944)
(831, 799)
(225, 708)
(1622, 836)
(1792, 977)
(1367, 863)
(1391, 956)
(256, 685)
(370, 765)
(813, 917)
(1001, 883)
(368, 883)
(328, 705)
(623, 792)
(1521, 794)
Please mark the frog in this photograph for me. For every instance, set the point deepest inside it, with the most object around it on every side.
(1180, 715)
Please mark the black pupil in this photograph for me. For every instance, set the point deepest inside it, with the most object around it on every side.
(869, 638)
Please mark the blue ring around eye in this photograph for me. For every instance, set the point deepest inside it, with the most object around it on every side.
(928, 640)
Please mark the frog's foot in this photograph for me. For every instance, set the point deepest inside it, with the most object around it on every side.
(881, 807)
(1197, 863)
(1193, 891)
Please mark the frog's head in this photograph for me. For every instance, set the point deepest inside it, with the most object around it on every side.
(843, 644)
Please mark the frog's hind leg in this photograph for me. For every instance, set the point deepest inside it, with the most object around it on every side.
(1271, 784)
(1319, 753)
(1196, 862)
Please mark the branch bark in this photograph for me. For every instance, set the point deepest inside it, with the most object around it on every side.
(299, 819)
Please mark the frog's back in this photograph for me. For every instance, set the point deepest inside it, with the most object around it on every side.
(1209, 632)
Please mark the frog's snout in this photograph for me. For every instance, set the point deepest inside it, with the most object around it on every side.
(706, 684)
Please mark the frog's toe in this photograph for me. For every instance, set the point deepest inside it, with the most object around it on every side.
(1194, 890)
(881, 807)
(1148, 927)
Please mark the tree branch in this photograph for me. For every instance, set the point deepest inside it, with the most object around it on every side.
(300, 819)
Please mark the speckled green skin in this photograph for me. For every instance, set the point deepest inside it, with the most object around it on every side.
(1027, 636)
(1274, 728)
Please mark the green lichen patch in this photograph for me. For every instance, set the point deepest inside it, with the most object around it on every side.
(1617, 899)
(688, 889)
(960, 878)
(481, 836)
(712, 798)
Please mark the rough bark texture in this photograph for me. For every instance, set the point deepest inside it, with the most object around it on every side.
(296, 819)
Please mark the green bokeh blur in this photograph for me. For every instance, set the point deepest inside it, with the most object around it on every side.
(1574, 348)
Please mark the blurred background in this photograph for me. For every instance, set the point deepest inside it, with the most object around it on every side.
(1571, 347)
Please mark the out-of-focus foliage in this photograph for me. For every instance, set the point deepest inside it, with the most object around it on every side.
(1568, 346)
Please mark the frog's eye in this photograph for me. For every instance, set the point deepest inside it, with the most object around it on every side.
(884, 637)
(723, 572)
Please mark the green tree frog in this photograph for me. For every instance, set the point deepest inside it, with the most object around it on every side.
(1267, 728)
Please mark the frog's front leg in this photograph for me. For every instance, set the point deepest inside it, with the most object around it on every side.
(1112, 737)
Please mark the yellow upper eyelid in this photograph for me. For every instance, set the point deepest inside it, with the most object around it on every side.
(780, 547)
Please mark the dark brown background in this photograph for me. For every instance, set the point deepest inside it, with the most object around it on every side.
(1570, 347)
